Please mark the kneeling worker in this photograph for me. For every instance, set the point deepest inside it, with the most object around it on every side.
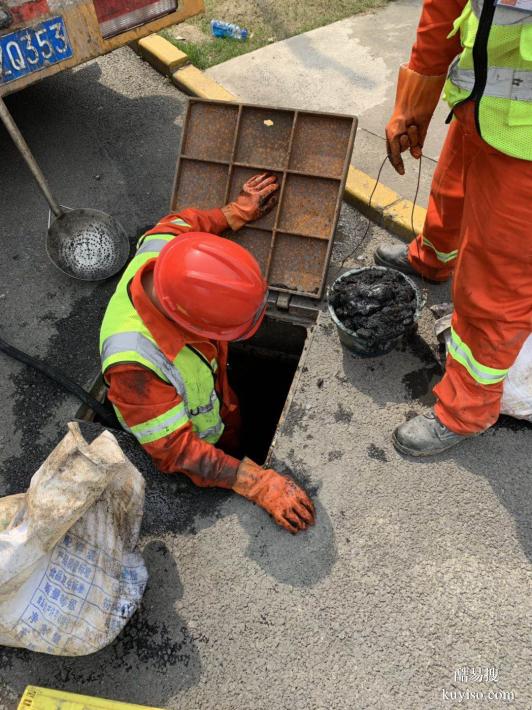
(164, 346)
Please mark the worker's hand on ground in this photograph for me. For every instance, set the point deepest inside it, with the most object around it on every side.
(416, 99)
(255, 200)
(279, 495)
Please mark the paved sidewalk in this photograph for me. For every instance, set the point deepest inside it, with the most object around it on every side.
(346, 67)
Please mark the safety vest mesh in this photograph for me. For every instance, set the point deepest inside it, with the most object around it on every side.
(124, 338)
(505, 108)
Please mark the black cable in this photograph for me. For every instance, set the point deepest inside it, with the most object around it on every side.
(415, 197)
(370, 222)
(61, 379)
(414, 209)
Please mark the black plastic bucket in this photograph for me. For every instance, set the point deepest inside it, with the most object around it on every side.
(356, 344)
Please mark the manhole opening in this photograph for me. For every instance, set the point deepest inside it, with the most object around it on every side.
(261, 371)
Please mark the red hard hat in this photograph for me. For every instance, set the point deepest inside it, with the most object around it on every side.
(211, 286)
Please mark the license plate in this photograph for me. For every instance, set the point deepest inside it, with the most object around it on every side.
(33, 49)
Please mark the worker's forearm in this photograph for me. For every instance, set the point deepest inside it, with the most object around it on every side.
(212, 221)
(140, 397)
(433, 51)
(184, 452)
(191, 220)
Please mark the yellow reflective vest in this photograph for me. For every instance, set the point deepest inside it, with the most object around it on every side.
(124, 338)
(495, 70)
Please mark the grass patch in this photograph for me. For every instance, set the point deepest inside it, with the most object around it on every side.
(208, 53)
(267, 21)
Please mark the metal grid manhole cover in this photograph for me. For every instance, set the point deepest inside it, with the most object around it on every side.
(224, 144)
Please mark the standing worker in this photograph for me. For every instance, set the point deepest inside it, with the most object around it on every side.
(164, 346)
(479, 219)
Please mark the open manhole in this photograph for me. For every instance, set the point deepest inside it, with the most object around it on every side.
(261, 371)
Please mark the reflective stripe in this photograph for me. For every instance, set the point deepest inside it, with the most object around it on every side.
(154, 245)
(157, 242)
(482, 374)
(121, 342)
(442, 256)
(502, 82)
(180, 222)
(177, 380)
(159, 427)
(213, 431)
(151, 238)
(121, 419)
(124, 342)
(136, 342)
(504, 15)
(159, 433)
(207, 407)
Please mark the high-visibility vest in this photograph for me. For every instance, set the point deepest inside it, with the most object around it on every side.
(495, 70)
(124, 338)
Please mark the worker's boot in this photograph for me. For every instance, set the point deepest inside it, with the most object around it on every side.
(395, 256)
(425, 435)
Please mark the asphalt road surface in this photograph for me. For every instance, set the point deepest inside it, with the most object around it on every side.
(106, 135)
(412, 573)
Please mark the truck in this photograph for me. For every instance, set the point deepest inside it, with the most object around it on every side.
(39, 38)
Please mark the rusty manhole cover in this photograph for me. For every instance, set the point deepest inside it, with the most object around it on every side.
(226, 143)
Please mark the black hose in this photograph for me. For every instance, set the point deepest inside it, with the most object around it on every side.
(61, 379)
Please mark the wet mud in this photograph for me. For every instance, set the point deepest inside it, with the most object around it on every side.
(377, 305)
(419, 383)
(376, 453)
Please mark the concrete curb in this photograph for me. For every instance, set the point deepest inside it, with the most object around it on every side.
(386, 208)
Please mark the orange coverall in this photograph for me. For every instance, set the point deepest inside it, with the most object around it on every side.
(479, 221)
(140, 395)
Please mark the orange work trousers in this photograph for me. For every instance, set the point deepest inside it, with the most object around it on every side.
(479, 227)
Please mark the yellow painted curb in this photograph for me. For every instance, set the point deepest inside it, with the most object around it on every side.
(383, 205)
(386, 208)
(360, 188)
(397, 218)
(194, 81)
(161, 54)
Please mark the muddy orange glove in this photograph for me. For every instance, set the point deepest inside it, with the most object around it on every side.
(416, 98)
(255, 200)
(280, 496)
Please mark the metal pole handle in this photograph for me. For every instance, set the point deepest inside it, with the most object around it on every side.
(18, 139)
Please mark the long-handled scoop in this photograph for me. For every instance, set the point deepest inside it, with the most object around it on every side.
(83, 243)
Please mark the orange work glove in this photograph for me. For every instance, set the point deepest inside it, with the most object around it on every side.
(416, 98)
(255, 200)
(280, 496)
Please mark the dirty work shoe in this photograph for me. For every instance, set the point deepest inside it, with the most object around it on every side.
(395, 256)
(425, 435)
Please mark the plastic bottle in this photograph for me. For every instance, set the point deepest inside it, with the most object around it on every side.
(227, 29)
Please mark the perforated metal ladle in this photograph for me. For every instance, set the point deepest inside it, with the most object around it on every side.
(85, 244)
